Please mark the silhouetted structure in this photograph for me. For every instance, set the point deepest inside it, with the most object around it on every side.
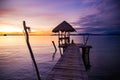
(63, 30)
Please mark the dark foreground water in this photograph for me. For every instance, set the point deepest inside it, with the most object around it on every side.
(105, 57)
(16, 64)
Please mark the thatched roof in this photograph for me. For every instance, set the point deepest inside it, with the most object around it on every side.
(64, 26)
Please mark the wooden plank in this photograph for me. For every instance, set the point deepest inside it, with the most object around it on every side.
(70, 66)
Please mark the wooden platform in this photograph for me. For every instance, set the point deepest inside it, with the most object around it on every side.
(70, 66)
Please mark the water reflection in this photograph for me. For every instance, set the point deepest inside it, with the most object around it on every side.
(16, 64)
(15, 61)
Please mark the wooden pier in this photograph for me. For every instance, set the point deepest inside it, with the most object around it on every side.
(70, 66)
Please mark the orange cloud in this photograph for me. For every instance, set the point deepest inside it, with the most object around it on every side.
(6, 11)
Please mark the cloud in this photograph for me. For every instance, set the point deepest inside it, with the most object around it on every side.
(106, 20)
(103, 30)
(97, 16)
(5, 9)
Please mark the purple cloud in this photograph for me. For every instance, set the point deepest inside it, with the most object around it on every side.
(106, 20)
(97, 16)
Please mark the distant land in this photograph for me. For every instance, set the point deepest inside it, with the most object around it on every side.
(53, 34)
(80, 34)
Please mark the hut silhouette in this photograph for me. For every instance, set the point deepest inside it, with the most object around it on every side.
(63, 30)
(64, 27)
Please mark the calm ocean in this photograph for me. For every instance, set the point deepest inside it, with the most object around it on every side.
(16, 63)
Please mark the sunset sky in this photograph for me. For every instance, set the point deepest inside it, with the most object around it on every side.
(86, 16)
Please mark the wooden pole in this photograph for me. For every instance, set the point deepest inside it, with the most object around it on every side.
(85, 39)
(55, 50)
(60, 41)
(30, 50)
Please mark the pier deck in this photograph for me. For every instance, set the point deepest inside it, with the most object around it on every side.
(70, 66)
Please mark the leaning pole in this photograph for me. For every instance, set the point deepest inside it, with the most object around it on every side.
(30, 50)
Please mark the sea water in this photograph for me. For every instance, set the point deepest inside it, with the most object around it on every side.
(16, 63)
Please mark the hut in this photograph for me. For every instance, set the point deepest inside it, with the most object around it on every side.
(63, 30)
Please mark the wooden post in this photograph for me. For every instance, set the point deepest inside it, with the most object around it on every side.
(69, 37)
(85, 56)
(85, 39)
(65, 39)
(55, 50)
(60, 41)
(30, 50)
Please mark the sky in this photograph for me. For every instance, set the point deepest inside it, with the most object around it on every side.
(86, 16)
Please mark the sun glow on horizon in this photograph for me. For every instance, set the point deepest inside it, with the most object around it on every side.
(7, 28)
(13, 30)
